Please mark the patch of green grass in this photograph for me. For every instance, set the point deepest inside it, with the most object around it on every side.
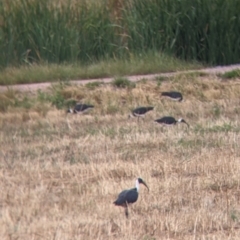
(93, 85)
(123, 83)
(57, 97)
(109, 132)
(112, 109)
(234, 215)
(216, 129)
(224, 128)
(161, 79)
(191, 143)
(216, 111)
(193, 74)
(11, 98)
(231, 74)
(4, 103)
(25, 103)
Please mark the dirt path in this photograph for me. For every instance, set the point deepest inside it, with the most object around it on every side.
(42, 86)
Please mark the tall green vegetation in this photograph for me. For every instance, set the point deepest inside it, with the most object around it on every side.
(205, 30)
(33, 31)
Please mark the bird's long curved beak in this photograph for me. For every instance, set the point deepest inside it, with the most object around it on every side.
(145, 185)
(185, 123)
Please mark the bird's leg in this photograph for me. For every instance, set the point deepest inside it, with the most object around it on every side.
(126, 211)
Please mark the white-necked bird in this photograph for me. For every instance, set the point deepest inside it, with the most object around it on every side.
(129, 196)
(176, 96)
(170, 121)
(80, 108)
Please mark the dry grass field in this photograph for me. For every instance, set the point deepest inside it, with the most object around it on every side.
(61, 173)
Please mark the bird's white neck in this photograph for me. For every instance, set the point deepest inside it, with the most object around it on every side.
(137, 185)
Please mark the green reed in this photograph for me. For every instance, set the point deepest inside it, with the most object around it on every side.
(33, 31)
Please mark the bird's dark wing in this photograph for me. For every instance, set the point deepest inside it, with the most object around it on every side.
(80, 107)
(166, 120)
(167, 94)
(140, 110)
(173, 94)
(149, 108)
(127, 196)
(132, 195)
(121, 198)
(176, 95)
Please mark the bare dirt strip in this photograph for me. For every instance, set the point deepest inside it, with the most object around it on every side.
(42, 86)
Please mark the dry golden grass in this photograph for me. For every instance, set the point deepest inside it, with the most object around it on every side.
(61, 173)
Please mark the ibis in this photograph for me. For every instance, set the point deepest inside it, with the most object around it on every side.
(140, 112)
(129, 196)
(170, 121)
(176, 96)
(80, 108)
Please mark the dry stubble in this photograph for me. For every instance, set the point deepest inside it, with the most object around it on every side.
(60, 174)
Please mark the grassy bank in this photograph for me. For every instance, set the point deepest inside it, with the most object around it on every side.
(151, 62)
(60, 173)
(42, 32)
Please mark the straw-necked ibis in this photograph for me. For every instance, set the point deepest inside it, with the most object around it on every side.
(80, 108)
(176, 96)
(129, 196)
(140, 112)
(170, 121)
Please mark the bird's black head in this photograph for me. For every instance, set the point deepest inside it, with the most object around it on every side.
(142, 182)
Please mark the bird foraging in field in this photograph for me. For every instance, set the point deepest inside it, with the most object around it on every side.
(140, 112)
(80, 108)
(170, 121)
(129, 196)
(176, 96)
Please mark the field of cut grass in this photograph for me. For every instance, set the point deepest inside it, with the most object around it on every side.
(61, 173)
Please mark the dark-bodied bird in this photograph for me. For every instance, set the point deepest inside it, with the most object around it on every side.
(129, 196)
(140, 112)
(170, 121)
(176, 96)
(80, 108)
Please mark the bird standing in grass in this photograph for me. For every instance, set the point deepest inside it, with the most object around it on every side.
(129, 196)
(170, 121)
(176, 96)
(140, 112)
(80, 108)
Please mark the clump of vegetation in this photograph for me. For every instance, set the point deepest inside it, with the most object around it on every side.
(123, 83)
(5, 103)
(11, 99)
(56, 98)
(231, 74)
(93, 85)
(161, 79)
